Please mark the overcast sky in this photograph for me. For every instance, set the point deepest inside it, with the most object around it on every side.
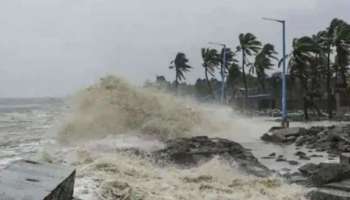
(55, 47)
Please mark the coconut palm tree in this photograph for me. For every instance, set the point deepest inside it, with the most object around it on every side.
(233, 77)
(339, 32)
(305, 59)
(211, 60)
(180, 65)
(306, 63)
(264, 61)
(324, 40)
(336, 38)
(248, 46)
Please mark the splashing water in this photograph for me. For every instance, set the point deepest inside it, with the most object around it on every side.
(113, 107)
(125, 176)
(112, 115)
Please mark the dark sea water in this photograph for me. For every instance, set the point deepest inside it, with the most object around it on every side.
(24, 125)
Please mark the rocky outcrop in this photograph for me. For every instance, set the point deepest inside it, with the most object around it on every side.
(324, 173)
(328, 194)
(287, 135)
(333, 139)
(190, 152)
(331, 179)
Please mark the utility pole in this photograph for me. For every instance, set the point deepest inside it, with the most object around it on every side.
(285, 122)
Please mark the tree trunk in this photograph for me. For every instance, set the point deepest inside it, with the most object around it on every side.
(262, 81)
(305, 98)
(176, 80)
(244, 78)
(211, 91)
(329, 95)
(263, 85)
(343, 76)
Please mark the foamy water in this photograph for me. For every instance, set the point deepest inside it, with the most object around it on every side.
(111, 116)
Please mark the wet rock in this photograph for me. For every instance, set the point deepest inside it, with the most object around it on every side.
(300, 153)
(304, 158)
(324, 173)
(267, 158)
(300, 141)
(281, 158)
(272, 155)
(286, 135)
(328, 194)
(295, 178)
(333, 139)
(308, 169)
(293, 162)
(316, 156)
(275, 128)
(191, 152)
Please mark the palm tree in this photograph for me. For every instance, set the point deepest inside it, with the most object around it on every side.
(306, 62)
(180, 65)
(248, 45)
(211, 60)
(263, 62)
(233, 76)
(339, 33)
(336, 38)
(324, 39)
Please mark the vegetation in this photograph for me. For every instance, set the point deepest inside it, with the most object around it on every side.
(263, 62)
(248, 45)
(180, 65)
(318, 68)
(211, 60)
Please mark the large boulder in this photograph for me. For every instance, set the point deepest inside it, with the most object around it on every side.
(324, 173)
(285, 135)
(328, 194)
(190, 152)
(333, 139)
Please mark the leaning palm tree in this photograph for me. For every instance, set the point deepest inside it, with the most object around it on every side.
(306, 63)
(211, 60)
(324, 40)
(180, 65)
(263, 62)
(302, 59)
(335, 39)
(340, 35)
(248, 45)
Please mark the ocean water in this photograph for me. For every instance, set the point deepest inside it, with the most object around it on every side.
(25, 124)
(92, 130)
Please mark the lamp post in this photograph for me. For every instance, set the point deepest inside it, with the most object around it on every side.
(222, 72)
(285, 122)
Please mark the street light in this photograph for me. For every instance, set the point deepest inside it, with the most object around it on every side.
(222, 97)
(285, 122)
